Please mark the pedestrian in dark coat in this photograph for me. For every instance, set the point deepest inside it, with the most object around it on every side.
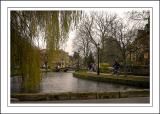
(116, 67)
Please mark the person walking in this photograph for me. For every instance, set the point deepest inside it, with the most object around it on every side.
(116, 67)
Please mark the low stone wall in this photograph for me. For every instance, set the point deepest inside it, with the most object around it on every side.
(138, 81)
(79, 96)
(125, 94)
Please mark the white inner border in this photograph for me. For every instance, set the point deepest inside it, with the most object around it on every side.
(120, 107)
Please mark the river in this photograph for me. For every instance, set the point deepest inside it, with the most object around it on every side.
(56, 82)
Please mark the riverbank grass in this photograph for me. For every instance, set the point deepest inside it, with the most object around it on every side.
(140, 81)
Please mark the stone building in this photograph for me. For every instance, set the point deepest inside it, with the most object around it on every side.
(141, 45)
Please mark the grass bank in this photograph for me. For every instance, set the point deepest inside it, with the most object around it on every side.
(139, 81)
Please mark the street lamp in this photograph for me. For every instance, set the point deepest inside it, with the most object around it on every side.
(78, 59)
(98, 59)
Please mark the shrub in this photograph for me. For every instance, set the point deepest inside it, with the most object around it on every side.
(104, 67)
(82, 70)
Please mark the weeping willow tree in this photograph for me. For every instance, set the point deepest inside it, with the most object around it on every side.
(25, 26)
(56, 26)
(24, 54)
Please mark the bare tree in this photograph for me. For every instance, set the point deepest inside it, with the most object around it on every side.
(125, 32)
(96, 28)
(103, 23)
(82, 41)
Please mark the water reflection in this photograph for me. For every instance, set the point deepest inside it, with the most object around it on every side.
(16, 83)
(65, 82)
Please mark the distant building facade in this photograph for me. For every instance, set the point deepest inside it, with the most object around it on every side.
(59, 58)
(141, 54)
